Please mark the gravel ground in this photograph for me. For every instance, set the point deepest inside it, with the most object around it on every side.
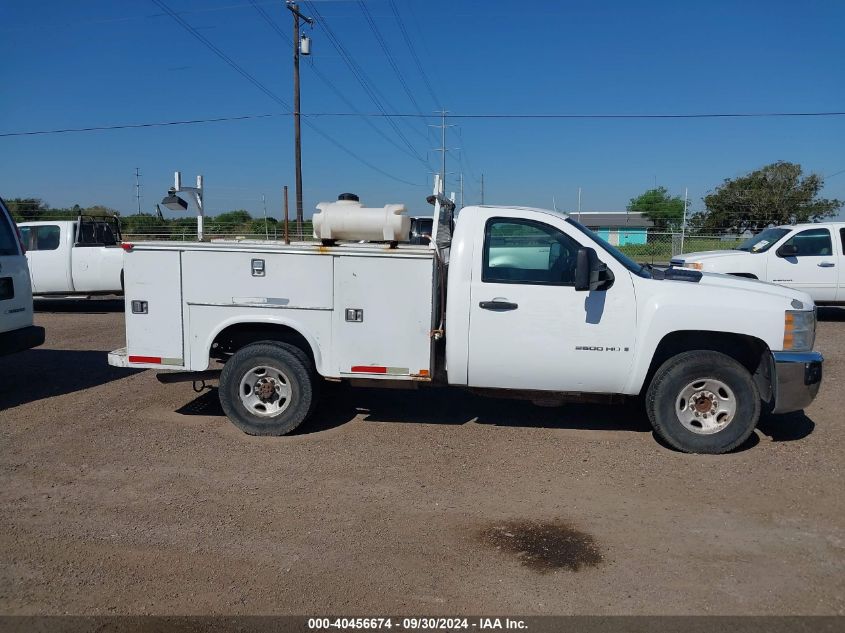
(122, 495)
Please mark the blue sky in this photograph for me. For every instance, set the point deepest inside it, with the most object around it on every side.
(95, 62)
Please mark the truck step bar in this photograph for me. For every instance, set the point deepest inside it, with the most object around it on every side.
(169, 377)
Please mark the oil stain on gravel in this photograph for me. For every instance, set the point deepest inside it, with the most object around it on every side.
(543, 547)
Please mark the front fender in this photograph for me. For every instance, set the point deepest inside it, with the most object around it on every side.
(678, 309)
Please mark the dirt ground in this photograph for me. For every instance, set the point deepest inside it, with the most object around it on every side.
(123, 495)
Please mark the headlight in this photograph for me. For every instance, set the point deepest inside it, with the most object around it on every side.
(799, 330)
(694, 265)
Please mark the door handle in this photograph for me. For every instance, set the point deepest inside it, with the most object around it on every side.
(498, 305)
(826, 264)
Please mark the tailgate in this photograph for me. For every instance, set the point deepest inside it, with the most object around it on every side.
(153, 281)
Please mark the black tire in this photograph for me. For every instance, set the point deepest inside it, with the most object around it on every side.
(305, 359)
(665, 405)
(289, 370)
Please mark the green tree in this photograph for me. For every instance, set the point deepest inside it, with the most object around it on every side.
(27, 209)
(143, 224)
(229, 222)
(664, 210)
(774, 194)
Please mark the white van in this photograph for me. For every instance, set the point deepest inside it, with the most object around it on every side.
(17, 332)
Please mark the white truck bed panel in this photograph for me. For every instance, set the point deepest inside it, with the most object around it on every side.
(395, 304)
(289, 280)
(204, 322)
(156, 279)
(205, 288)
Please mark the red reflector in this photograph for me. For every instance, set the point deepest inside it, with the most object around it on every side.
(127, 246)
(145, 359)
(365, 369)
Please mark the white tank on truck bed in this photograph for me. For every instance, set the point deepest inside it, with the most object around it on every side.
(348, 219)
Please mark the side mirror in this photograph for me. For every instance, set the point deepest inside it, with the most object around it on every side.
(787, 250)
(590, 273)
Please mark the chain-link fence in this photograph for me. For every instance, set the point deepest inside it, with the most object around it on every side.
(659, 248)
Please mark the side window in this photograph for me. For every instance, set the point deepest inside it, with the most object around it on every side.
(87, 234)
(527, 252)
(812, 242)
(26, 237)
(8, 239)
(46, 238)
(842, 239)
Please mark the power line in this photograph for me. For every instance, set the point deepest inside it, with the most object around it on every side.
(389, 55)
(122, 126)
(270, 94)
(698, 115)
(270, 21)
(410, 44)
(361, 76)
(315, 69)
(126, 126)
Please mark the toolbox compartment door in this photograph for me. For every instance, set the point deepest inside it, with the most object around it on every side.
(154, 327)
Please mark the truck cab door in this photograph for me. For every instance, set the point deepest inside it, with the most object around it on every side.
(806, 261)
(92, 261)
(530, 329)
(48, 252)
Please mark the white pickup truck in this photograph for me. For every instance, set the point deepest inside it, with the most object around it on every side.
(17, 332)
(517, 302)
(808, 257)
(74, 257)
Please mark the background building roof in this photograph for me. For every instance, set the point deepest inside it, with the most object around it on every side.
(612, 219)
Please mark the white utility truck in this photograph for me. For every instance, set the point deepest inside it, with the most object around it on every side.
(17, 332)
(808, 257)
(513, 302)
(74, 257)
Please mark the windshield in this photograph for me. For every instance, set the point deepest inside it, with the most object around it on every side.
(762, 242)
(618, 255)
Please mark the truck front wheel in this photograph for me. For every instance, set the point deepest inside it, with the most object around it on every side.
(266, 390)
(703, 402)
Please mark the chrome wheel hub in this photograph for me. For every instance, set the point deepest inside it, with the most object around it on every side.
(265, 391)
(706, 406)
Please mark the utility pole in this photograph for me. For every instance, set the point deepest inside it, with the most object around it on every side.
(462, 190)
(684, 221)
(442, 149)
(266, 230)
(579, 204)
(287, 235)
(297, 137)
(482, 189)
(138, 188)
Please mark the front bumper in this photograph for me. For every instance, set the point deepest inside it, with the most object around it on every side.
(19, 340)
(796, 381)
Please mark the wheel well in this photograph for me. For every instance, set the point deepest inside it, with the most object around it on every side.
(746, 275)
(229, 340)
(748, 351)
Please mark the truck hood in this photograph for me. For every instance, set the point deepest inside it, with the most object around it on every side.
(704, 255)
(718, 280)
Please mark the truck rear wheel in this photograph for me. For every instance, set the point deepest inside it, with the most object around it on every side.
(703, 402)
(265, 389)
